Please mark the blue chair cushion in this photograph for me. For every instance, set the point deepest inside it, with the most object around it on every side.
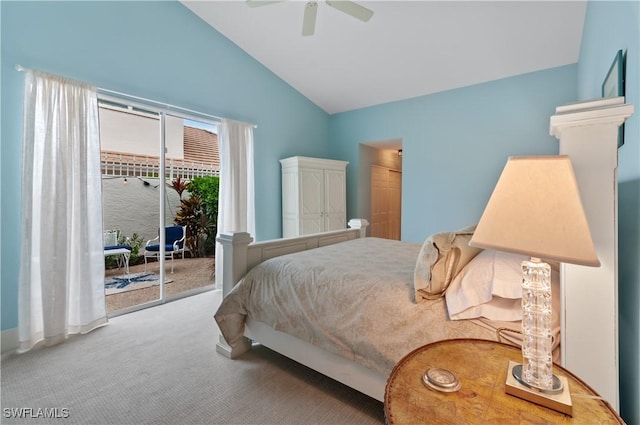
(106, 248)
(167, 247)
(173, 233)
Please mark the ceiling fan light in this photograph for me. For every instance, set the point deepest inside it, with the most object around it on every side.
(351, 8)
(309, 20)
(311, 11)
(257, 3)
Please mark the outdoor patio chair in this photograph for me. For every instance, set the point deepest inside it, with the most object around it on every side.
(111, 246)
(174, 244)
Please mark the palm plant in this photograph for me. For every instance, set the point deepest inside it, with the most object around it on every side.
(178, 185)
(192, 215)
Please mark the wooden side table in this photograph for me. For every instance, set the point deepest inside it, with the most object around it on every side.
(481, 368)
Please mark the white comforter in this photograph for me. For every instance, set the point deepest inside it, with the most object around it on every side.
(354, 299)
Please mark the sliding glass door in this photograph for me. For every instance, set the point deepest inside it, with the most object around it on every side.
(192, 166)
(156, 229)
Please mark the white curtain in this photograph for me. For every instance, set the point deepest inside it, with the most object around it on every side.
(61, 289)
(236, 207)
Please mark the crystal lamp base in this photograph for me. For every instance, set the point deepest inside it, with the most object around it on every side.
(555, 389)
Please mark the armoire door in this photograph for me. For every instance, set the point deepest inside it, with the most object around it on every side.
(335, 206)
(312, 194)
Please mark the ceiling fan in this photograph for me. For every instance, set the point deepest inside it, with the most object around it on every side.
(311, 10)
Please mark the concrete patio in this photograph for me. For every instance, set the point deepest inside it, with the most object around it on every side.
(191, 274)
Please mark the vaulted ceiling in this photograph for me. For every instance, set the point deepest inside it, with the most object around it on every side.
(407, 49)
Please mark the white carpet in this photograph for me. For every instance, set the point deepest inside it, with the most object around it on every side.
(159, 366)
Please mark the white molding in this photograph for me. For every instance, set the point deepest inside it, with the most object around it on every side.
(589, 105)
(307, 162)
(9, 342)
(612, 111)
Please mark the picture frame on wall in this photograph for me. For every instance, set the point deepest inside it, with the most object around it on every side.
(613, 85)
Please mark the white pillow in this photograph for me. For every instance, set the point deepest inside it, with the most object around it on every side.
(490, 286)
(502, 309)
(441, 258)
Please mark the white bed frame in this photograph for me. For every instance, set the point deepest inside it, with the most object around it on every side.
(239, 256)
(588, 134)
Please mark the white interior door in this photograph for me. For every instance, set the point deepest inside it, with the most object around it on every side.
(378, 220)
(395, 203)
(386, 200)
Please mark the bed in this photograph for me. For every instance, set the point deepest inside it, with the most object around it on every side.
(362, 299)
(350, 359)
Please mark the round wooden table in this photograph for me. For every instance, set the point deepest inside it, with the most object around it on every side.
(481, 367)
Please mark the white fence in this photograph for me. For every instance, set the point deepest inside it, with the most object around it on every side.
(122, 164)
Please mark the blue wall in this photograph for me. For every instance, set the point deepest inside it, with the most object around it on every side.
(157, 50)
(610, 26)
(455, 143)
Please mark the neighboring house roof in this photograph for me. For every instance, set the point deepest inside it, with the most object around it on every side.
(201, 146)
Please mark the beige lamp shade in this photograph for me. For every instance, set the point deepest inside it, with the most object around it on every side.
(535, 210)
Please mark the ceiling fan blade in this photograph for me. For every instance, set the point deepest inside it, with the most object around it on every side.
(257, 3)
(309, 20)
(351, 8)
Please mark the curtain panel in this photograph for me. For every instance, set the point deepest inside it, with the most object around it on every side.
(236, 203)
(61, 288)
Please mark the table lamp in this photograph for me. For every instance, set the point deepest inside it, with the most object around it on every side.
(535, 210)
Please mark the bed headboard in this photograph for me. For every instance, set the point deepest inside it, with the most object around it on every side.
(588, 133)
(239, 255)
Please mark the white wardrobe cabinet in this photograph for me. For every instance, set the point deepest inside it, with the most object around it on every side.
(314, 197)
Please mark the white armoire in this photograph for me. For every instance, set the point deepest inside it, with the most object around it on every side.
(314, 195)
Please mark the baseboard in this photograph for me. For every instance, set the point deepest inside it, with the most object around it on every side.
(9, 342)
